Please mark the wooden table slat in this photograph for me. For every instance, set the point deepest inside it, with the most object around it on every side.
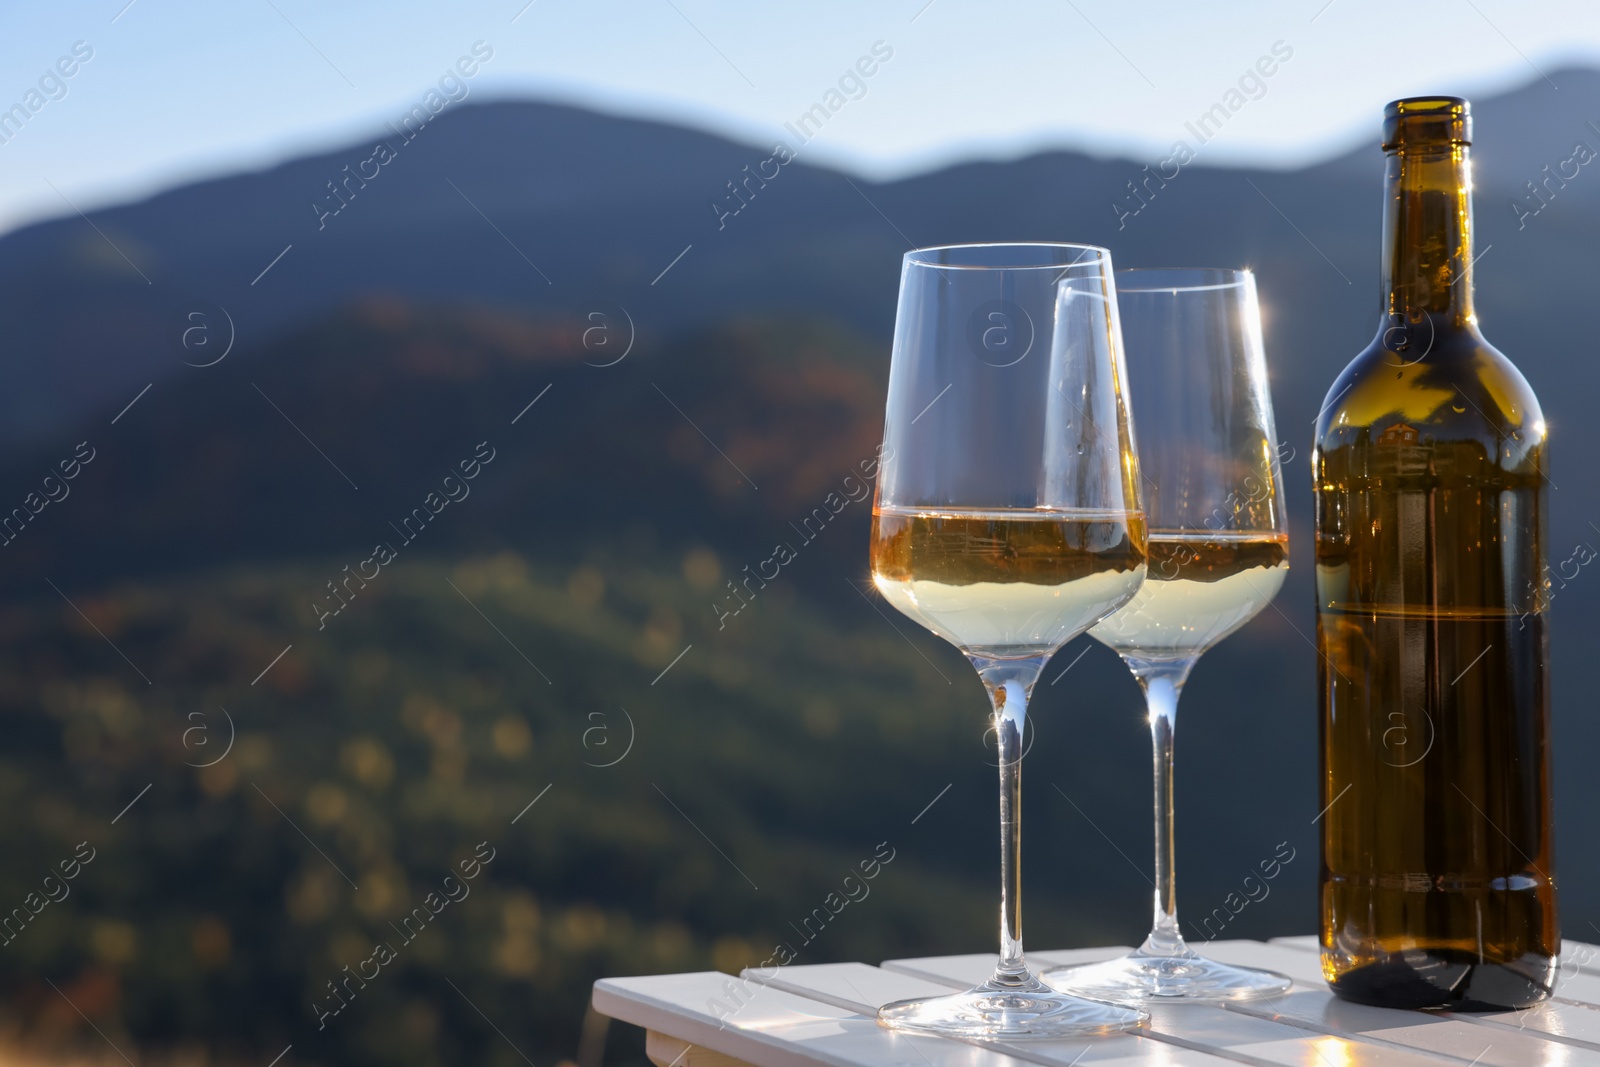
(821, 1015)
(857, 987)
(866, 989)
(770, 1027)
(1204, 1027)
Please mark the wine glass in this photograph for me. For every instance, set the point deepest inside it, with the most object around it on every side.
(1008, 521)
(1219, 551)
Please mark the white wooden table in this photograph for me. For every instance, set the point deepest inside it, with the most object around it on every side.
(824, 1014)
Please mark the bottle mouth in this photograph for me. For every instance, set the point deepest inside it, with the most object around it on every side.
(1426, 122)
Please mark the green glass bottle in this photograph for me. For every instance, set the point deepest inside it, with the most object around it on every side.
(1429, 468)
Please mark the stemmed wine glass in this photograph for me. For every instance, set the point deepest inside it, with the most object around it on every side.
(1219, 551)
(1008, 521)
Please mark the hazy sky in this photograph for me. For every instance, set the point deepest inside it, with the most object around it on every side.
(178, 89)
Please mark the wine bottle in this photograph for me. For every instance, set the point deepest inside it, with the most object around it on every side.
(1429, 469)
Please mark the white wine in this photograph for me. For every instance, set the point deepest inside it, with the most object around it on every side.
(1199, 589)
(1007, 583)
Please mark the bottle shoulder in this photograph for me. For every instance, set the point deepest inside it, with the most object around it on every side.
(1453, 386)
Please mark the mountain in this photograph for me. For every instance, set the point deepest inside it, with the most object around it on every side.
(649, 392)
(553, 210)
(1515, 134)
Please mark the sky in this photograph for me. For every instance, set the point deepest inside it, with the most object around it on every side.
(177, 90)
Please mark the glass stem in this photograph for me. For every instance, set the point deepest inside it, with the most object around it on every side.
(1162, 682)
(1010, 684)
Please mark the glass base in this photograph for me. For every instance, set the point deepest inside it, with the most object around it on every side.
(1009, 1010)
(1142, 978)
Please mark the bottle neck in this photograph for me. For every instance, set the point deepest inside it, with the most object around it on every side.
(1427, 240)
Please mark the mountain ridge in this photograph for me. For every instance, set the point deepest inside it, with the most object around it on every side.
(547, 208)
